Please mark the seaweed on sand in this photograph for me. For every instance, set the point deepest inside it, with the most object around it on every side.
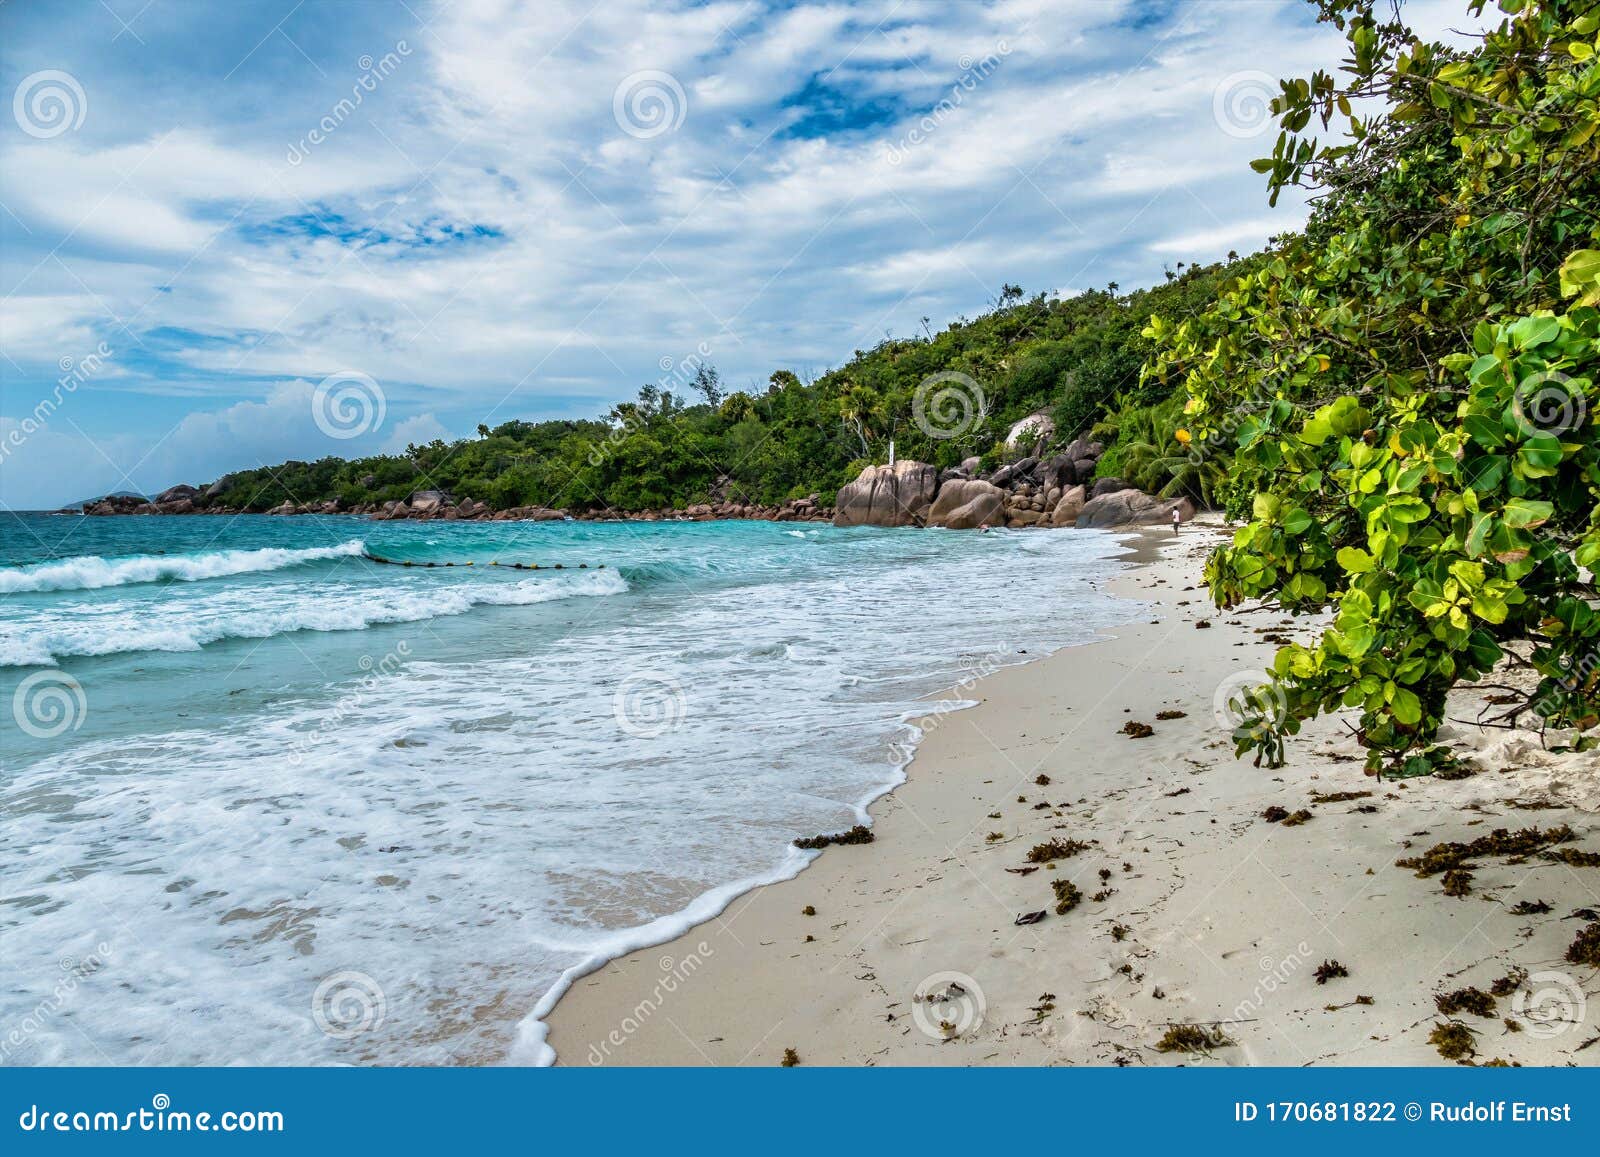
(1457, 882)
(1500, 842)
(1330, 970)
(1275, 814)
(1297, 818)
(1574, 858)
(1067, 896)
(1585, 949)
(790, 1059)
(1473, 1000)
(1055, 849)
(1134, 729)
(860, 834)
(1338, 796)
(1454, 1041)
(1192, 1038)
(1530, 908)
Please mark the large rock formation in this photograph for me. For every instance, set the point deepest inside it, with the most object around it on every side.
(897, 495)
(967, 505)
(1027, 433)
(1068, 507)
(1133, 508)
(428, 501)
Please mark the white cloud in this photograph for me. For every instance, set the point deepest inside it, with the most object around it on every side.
(485, 238)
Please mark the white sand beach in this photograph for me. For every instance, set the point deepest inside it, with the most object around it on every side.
(1194, 910)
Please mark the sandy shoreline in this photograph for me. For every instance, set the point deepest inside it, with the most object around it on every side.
(1194, 909)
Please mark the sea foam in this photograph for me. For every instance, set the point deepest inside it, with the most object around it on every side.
(91, 572)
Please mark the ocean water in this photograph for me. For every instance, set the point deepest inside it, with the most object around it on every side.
(266, 801)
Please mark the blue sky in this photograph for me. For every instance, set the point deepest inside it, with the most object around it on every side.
(524, 208)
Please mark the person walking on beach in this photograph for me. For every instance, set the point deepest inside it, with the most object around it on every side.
(1176, 518)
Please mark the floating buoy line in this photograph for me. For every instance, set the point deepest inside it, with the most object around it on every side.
(370, 557)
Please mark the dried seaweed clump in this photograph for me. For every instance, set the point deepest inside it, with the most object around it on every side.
(1457, 882)
(1509, 983)
(1171, 713)
(1042, 780)
(1133, 729)
(1529, 908)
(1454, 1041)
(1067, 896)
(1473, 1000)
(1330, 970)
(790, 1059)
(1500, 842)
(1338, 796)
(1056, 849)
(1574, 858)
(1585, 948)
(1192, 1038)
(1275, 814)
(860, 834)
(1297, 818)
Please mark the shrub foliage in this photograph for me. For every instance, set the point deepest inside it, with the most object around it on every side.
(1408, 386)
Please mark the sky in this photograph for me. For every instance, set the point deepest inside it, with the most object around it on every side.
(233, 233)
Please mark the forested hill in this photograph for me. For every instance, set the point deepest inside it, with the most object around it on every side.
(1078, 358)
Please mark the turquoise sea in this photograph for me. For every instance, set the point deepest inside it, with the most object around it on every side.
(266, 801)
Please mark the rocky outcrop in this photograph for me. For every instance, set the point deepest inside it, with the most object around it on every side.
(1104, 486)
(1068, 507)
(176, 494)
(967, 505)
(1037, 427)
(427, 501)
(898, 495)
(1130, 507)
